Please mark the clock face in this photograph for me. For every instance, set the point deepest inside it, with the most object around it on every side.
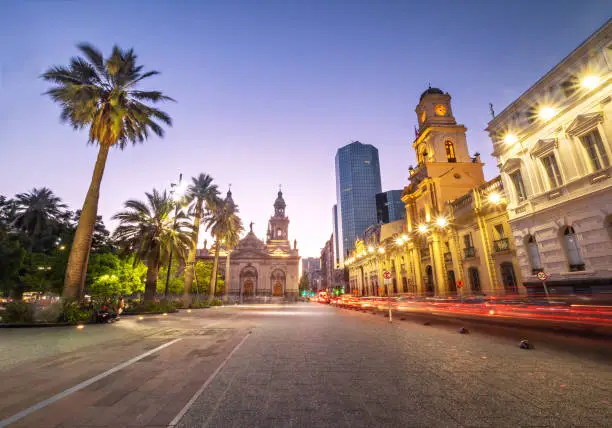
(440, 109)
(423, 116)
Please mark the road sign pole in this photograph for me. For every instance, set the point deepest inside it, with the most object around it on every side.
(546, 291)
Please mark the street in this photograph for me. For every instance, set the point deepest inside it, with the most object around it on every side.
(303, 365)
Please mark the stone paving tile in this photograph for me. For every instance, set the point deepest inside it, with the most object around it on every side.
(365, 372)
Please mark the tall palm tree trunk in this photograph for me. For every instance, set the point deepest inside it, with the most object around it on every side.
(227, 276)
(74, 280)
(213, 274)
(151, 282)
(189, 271)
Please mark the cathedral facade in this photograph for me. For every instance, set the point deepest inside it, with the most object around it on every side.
(266, 271)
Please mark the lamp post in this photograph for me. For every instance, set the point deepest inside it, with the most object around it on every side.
(176, 209)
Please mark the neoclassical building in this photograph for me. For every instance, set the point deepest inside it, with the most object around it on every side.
(455, 236)
(554, 147)
(269, 269)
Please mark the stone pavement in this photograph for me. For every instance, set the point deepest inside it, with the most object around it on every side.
(324, 367)
(304, 365)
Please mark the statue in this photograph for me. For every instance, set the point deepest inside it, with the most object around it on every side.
(251, 226)
(295, 244)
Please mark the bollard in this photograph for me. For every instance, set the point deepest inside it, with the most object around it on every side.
(463, 330)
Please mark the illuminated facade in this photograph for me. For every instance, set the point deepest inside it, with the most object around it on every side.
(554, 147)
(456, 228)
(266, 271)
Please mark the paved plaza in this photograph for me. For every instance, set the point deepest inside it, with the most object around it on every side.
(303, 365)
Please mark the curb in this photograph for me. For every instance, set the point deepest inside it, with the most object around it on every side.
(40, 324)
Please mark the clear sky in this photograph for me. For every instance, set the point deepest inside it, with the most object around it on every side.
(267, 91)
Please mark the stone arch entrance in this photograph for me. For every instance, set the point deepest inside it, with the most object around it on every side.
(277, 280)
(248, 282)
(429, 283)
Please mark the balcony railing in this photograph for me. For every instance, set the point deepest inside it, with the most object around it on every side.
(469, 252)
(501, 245)
(448, 257)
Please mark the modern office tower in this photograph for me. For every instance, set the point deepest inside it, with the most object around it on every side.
(357, 183)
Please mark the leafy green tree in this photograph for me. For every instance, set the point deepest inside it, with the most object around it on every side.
(202, 195)
(101, 95)
(224, 225)
(176, 285)
(12, 258)
(304, 283)
(148, 230)
(110, 275)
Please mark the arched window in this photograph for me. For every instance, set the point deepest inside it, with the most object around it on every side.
(534, 254)
(572, 248)
(450, 151)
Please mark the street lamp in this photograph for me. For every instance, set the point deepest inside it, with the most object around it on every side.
(177, 194)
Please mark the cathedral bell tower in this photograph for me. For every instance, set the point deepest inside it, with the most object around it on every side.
(278, 225)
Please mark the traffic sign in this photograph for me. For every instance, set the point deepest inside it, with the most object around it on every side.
(387, 274)
(459, 283)
(542, 276)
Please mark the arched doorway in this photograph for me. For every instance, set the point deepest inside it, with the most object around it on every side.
(474, 277)
(508, 278)
(404, 284)
(394, 286)
(248, 281)
(429, 284)
(452, 284)
(277, 280)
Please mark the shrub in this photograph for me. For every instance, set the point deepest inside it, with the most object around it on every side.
(216, 302)
(178, 304)
(73, 313)
(19, 312)
(199, 304)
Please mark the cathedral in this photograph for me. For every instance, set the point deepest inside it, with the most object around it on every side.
(266, 271)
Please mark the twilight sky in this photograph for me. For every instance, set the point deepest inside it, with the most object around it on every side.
(268, 90)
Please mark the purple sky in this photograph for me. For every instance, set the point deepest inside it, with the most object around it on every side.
(268, 90)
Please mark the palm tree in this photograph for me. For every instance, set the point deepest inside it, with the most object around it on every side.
(101, 95)
(149, 231)
(225, 226)
(37, 212)
(202, 194)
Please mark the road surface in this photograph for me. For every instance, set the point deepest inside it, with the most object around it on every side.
(303, 365)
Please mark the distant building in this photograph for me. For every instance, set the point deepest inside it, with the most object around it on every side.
(262, 270)
(335, 236)
(310, 264)
(357, 183)
(554, 149)
(389, 206)
(328, 263)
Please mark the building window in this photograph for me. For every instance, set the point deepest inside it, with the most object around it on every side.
(469, 246)
(422, 153)
(519, 186)
(595, 150)
(552, 170)
(534, 255)
(450, 151)
(574, 256)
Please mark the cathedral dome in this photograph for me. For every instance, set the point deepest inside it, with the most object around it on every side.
(431, 91)
(251, 242)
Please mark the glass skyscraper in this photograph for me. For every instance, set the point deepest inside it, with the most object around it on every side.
(389, 206)
(357, 183)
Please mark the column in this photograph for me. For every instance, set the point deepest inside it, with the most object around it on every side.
(438, 265)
